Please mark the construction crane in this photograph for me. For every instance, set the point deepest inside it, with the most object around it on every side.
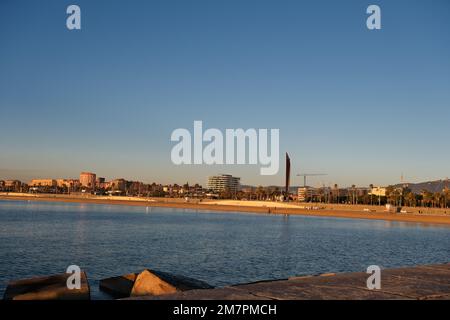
(304, 175)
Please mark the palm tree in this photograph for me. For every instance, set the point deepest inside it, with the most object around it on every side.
(389, 194)
(427, 197)
(260, 192)
(225, 194)
(446, 194)
(437, 199)
(371, 195)
(336, 188)
(353, 193)
(410, 199)
(277, 192)
(394, 196)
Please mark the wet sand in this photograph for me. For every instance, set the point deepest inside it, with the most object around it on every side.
(245, 206)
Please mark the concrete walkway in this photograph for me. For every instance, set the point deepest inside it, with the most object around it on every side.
(422, 282)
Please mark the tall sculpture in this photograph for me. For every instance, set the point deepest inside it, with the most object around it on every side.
(288, 176)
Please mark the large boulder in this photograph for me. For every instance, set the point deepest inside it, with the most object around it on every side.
(118, 287)
(149, 283)
(52, 287)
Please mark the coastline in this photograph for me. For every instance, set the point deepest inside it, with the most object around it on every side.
(336, 211)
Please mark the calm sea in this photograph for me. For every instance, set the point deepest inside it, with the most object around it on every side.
(38, 238)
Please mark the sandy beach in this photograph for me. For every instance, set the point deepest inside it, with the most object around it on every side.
(427, 216)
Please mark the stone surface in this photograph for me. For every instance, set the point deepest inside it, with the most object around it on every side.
(52, 287)
(314, 290)
(423, 282)
(227, 293)
(118, 287)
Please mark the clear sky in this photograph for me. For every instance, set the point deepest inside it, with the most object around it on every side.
(362, 106)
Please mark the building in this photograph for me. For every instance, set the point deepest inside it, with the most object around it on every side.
(223, 182)
(306, 194)
(362, 191)
(100, 182)
(70, 184)
(338, 193)
(171, 189)
(13, 185)
(118, 185)
(43, 183)
(378, 191)
(87, 179)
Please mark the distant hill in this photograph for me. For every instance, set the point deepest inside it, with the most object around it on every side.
(430, 186)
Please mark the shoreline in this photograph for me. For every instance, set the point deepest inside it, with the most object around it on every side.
(233, 206)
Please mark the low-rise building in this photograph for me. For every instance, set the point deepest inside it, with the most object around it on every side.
(68, 183)
(100, 183)
(42, 183)
(305, 194)
(378, 191)
(118, 184)
(13, 185)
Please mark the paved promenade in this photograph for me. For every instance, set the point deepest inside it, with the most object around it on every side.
(423, 282)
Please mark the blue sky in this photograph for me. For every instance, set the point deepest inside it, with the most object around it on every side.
(363, 106)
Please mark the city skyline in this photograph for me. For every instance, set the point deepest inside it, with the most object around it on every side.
(204, 180)
(362, 106)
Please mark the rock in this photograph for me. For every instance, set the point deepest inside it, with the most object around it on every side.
(118, 287)
(52, 287)
(155, 283)
(149, 284)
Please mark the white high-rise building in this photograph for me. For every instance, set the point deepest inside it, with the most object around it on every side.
(223, 182)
